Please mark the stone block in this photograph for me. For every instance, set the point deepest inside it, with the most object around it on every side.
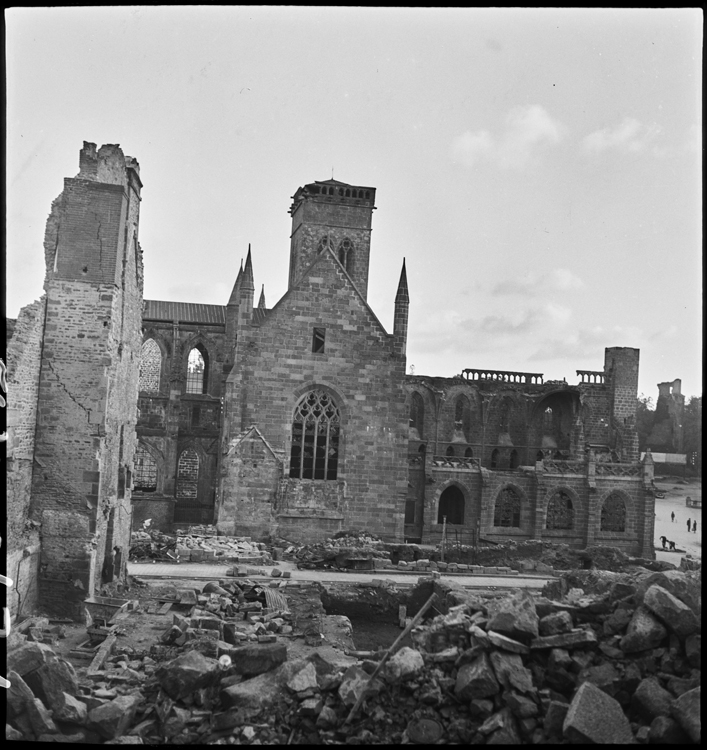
(555, 718)
(507, 644)
(577, 638)
(556, 622)
(595, 717)
(406, 664)
(52, 680)
(644, 632)
(71, 710)
(650, 700)
(28, 657)
(664, 730)
(18, 695)
(114, 718)
(510, 671)
(40, 718)
(476, 680)
(671, 611)
(687, 711)
(354, 683)
(255, 659)
(187, 673)
(514, 616)
(305, 679)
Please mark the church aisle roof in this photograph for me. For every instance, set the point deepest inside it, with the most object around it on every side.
(185, 312)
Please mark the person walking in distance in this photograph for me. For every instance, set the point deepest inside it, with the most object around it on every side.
(694, 527)
(688, 524)
(672, 517)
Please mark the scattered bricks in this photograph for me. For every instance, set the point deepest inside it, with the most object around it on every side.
(113, 719)
(462, 567)
(554, 718)
(557, 622)
(255, 659)
(267, 638)
(405, 665)
(651, 700)
(644, 632)
(171, 635)
(510, 671)
(187, 673)
(476, 680)
(671, 611)
(354, 683)
(402, 564)
(180, 621)
(574, 639)
(443, 566)
(594, 716)
(305, 679)
(514, 616)
(686, 710)
(327, 718)
(666, 731)
(507, 644)
(28, 657)
(275, 573)
(40, 717)
(18, 694)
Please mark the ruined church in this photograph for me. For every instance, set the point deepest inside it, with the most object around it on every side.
(296, 420)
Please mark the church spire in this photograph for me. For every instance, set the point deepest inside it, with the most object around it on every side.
(402, 294)
(261, 301)
(247, 281)
(400, 318)
(233, 299)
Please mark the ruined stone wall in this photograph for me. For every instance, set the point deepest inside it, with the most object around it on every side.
(85, 435)
(275, 366)
(21, 537)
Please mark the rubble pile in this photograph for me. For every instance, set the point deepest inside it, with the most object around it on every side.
(616, 660)
(350, 549)
(195, 547)
(151, 544)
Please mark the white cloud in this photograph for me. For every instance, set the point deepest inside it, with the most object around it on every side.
(527, 131)
(532, 284)
(629, 136)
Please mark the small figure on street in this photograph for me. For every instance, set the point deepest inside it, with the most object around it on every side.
(694, 527)
(688, 524)
(672, 517)
(672, 544)
(663, 539)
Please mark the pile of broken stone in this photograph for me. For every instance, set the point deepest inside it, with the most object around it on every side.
(615, 658)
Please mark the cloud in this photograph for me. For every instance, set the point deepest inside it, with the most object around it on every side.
(532, 284)
(585, 343)
(629, 136)
(527, 131)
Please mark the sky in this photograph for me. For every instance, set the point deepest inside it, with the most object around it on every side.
(538, 170)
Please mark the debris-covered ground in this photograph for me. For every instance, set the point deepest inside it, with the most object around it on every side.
(601, 656)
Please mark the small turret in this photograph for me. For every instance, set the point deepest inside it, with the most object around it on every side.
(261, 301)
(400, 320)
(246, 293)
(232, 315)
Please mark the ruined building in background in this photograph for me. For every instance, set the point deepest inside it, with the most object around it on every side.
(295, 420)
(666, 436)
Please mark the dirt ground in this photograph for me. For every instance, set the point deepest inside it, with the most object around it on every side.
(676, 490)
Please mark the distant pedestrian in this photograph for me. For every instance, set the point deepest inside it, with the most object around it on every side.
(688, 524)
(694, 527)
(672, 545)
(672, 517)
(663, 539)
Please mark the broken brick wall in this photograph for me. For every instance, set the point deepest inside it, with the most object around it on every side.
(24, 348)
(85, 435)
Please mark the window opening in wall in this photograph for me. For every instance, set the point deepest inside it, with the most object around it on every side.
(410, 511)
(450, 451)
(196, 371)
(315, 437)
(324, 242)
(560, 513)
(507, 510)
(346, 255)
(468, 453)
(514, 459)
(318, 338)
(613, 514)
(150, 366)
(451, 505)
(547, 421)
(539, 456)
(195, 416)
(145, 471)
(494, 458)
(417, 414)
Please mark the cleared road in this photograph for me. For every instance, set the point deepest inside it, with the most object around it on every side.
(201, 571)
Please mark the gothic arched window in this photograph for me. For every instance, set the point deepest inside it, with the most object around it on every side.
(451, 505)
(197, 370)
(494, 458)
(462, 416)
(188, 474)
(346, 255)
(514, 459)
(145, 474)
(560, 513)
(150, 367)
(547, 421)
(417, 414)
(613, 514)
(315, 437)
(325, 242)
(507, 509)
